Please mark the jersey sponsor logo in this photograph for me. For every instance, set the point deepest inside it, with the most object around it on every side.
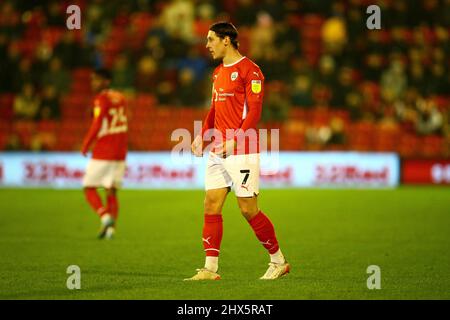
(234, 76)
(256, 86)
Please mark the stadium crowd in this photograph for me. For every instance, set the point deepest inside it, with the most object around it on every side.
(331, 83)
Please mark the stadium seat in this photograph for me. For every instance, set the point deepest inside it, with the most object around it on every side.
(432, 146)
(407, 146)
(361, 137)
(386, 139)
(6, 106)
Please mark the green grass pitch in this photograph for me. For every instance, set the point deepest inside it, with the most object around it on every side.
(330, 237)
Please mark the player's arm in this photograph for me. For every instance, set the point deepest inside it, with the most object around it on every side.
(253, 82)
(254, 93)
(99, 113)
(197, 145)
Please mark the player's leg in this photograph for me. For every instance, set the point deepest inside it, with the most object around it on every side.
(112, 209)
(91, 181)
(99, 173)
(213, 226)
(244, 170)
(217, 185)
(265, 232)
(212, 233)
(93, 199)
(112, 181)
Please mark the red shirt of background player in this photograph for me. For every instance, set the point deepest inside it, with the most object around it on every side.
(109, 127)
(236, 102)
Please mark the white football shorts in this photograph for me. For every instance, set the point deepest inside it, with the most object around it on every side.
(104, 173)
(239, 171)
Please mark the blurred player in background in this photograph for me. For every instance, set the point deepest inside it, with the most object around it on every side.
(236, 105)
(108, 135)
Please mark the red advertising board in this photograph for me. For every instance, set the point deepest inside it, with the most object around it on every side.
(426, 172)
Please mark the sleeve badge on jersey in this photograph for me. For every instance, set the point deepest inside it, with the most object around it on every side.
(256, 86)
(96, 111)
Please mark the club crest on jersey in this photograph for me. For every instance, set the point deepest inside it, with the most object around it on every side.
(234, 76)
(256, 86)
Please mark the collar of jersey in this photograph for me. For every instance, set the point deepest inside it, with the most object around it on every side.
(232, 64)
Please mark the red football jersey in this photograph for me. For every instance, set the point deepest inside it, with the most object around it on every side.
(109, 127)
(237, 97)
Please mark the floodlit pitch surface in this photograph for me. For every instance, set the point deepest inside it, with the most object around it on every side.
(330, 237)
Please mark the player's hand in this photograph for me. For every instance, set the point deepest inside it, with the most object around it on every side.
(226, 148)
(197, 146)
(84, 152)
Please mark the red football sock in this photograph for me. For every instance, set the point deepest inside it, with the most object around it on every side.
(93, 198)
(113, 205)
(265, 232)
(212, 234)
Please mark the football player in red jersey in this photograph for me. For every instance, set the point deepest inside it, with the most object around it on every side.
(237, 97)
(108, 136)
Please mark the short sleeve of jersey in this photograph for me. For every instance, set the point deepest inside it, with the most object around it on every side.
(100, 106)
(254, 84)
(214, 77)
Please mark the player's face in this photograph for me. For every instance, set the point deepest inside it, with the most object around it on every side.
(98, 83)
(215, 45)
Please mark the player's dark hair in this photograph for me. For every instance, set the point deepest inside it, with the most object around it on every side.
(103, 73)
(226, 29)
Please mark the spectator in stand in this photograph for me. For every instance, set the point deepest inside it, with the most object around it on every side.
(276, 9)
(337, 137)
(394, 81)
(165, 92)
(68, 50)
(4, 72)
(9, 19)
(96, 24)
(334, 35)
(277, 104)
(42, 55)
(344, 87)
(417, 78)
(353, 102)
(147, 75)
(24, 74)
(178, 19)
(429, 120)
(42, 141)
(301, 92)
(57, 76)
(262, 41)
(437, 83)
(326, 74)
(55, 14)
(122, 74)
(188, 93)
(405, 109)
(13, 143)
(153, 48)
(50, 105)
(26, 104)
(195, 63)
(245, 13)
